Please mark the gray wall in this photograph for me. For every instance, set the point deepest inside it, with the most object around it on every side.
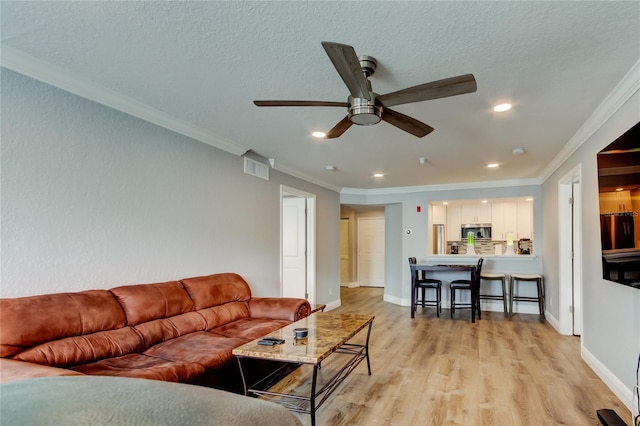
(611, 312)
(94, 198)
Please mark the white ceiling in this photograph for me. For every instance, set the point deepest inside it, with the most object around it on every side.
(196, 67)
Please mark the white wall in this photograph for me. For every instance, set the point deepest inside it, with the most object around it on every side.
(611, 312)
(94, 198)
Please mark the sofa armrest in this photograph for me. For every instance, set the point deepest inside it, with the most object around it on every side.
(11, 369)
(284, 308)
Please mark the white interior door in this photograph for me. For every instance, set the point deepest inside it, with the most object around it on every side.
(344, 252)
(371, 251)
(570, 253)
(294, 244)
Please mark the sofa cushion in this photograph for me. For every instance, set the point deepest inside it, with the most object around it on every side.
(224, 314)
(28, 321)
(158, 331)
(142, 367)
(207, 349)
(82, 349)
(217, 289)
(147, 302)
(250, 328)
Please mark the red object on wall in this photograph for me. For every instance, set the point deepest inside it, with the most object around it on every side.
(418, 209)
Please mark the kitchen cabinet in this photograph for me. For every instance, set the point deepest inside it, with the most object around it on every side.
(525, 220)
(453, 223)
(504, 219)
(475, 213)
(439, 215)
(615, 202)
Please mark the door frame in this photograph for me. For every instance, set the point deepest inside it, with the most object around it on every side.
(570, 246)
(310, 238)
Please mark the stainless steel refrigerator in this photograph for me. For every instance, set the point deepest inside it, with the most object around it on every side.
(439, 240)
(617, 231)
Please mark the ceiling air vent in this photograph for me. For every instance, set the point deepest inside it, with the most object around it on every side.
(255, 168)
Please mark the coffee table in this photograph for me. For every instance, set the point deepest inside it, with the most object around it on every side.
(328, 333)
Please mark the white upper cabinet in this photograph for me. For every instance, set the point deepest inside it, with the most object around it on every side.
(504, 214)
(525, 220)
(504, 219)
(439, 215)
(453, 223)
(615, 202)
(475, 213)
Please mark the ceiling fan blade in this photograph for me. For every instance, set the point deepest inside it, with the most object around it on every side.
(347, 64)
(339, 128)
(434, 90)
(406, 123)
(300, 104)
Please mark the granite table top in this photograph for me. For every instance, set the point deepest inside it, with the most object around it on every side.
(327, 332)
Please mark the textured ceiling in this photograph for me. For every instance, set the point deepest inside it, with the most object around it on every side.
(201, 64)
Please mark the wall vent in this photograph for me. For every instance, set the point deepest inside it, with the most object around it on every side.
(255, 168)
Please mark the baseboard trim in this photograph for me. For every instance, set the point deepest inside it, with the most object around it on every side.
(396, 300)
(333, 305)
(617, 387)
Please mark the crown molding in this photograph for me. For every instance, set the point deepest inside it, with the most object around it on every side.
(304, 177)
(442, 187)
(22, 63)
(626, 88)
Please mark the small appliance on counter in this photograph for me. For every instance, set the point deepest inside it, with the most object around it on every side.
(454, 248)
(524, 246)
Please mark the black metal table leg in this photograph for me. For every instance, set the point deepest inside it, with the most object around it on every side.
(414, 272)
(244, 381)
(366, 347)
(312, 400)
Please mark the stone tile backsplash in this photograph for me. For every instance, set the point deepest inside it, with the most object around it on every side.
(487, 247)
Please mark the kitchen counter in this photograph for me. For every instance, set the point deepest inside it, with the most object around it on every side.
(474, 258)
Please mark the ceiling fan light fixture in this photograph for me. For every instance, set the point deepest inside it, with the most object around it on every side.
(378, 175)
(364, 112)
(319, 135)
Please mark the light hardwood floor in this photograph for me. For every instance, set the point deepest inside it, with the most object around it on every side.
(439, 371)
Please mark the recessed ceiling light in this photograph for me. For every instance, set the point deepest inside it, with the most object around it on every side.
(330, 168)
(319, 135)
(378, 175)
(517, 151)
(493, 165)
(502, 107)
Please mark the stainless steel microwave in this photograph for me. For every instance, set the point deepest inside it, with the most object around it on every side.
(481, 231)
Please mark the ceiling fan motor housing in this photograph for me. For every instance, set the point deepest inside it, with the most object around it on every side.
(364, 112)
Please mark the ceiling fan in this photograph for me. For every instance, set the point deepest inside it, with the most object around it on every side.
(366, 107)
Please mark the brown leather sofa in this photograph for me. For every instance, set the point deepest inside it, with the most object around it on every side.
(179, 331)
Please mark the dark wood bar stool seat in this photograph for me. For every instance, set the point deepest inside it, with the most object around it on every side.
(462, 285)
(492, 276)
(537, 278)
(423, 283)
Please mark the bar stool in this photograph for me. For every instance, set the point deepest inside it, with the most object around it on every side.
(489, 276)
(537, 278)
(422, 282)
(466, 285)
